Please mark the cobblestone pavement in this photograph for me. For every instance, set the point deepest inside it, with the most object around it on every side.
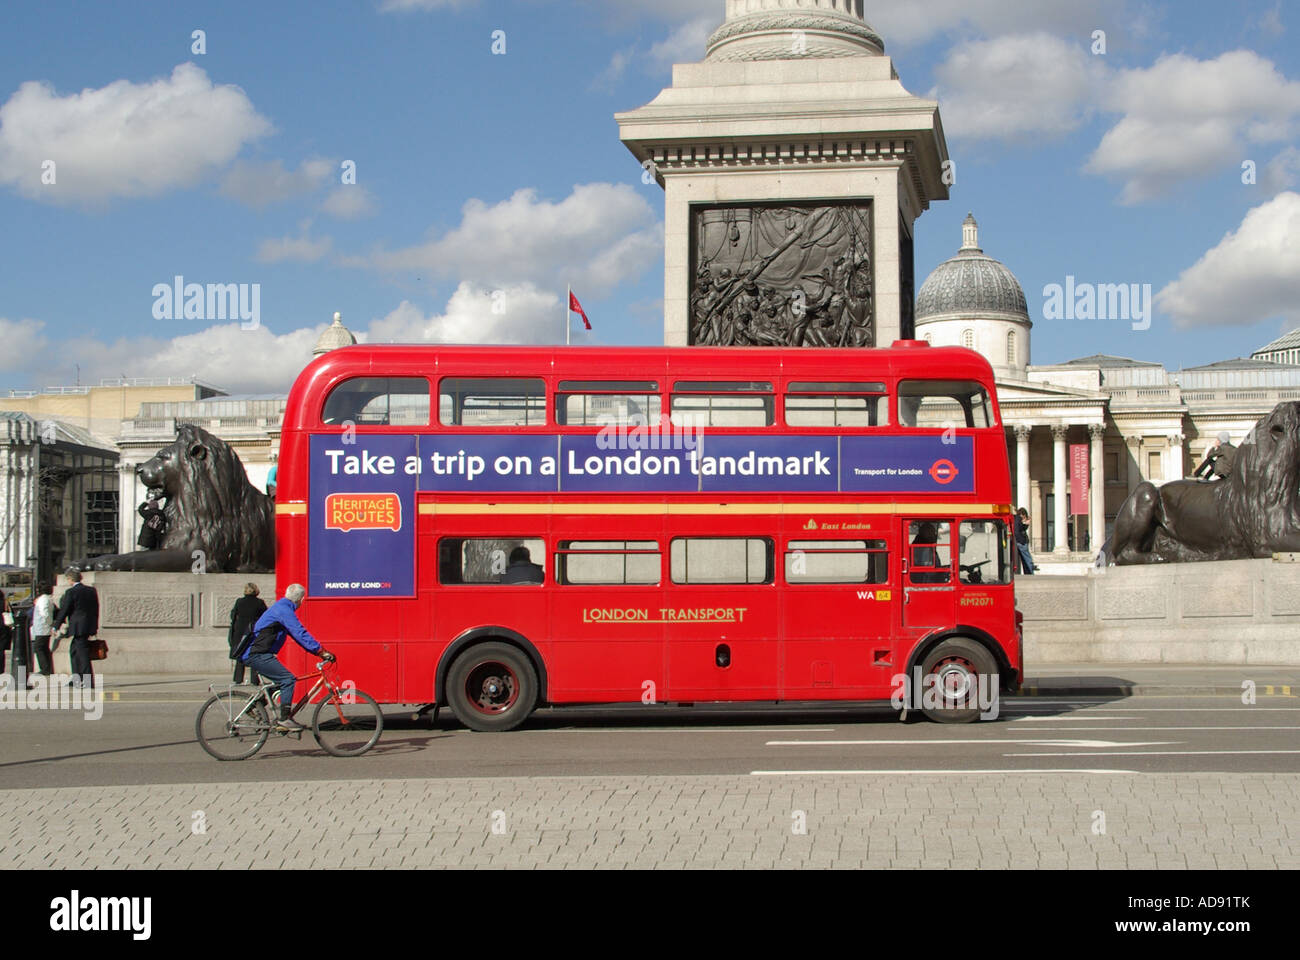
(1048, 820)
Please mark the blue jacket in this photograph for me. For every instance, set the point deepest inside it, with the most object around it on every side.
(283, 614)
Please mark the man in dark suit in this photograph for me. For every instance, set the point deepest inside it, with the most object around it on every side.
(79, 608)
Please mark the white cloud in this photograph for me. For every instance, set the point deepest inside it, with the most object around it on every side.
(908, 22)
(1017, 85)
(1250, 276)
(300, 249)
(1282, 172)
(1186, 118)
(348, 202)
(261, 184)
(597, 238)
(23, 341)
(686, 44)
(474, 314)
(125, 139)
(262, 361)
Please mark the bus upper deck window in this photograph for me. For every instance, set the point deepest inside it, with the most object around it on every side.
(836, 405)
(718, 403)
(492, 402)
(940, 404)
(580, 403)
(378, 402)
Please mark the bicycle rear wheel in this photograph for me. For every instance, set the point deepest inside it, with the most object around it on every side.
(347, 729)
(231, 728)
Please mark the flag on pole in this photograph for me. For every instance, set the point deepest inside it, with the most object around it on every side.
(576, 307)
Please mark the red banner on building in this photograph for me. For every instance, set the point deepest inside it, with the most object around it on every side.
(1079, 479)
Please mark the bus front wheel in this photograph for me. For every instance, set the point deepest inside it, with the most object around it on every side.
(492, 686)
(964, 677)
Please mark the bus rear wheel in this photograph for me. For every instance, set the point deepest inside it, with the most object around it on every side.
(492, 686)
(963, 672)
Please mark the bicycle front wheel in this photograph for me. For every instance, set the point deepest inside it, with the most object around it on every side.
(230, 727)
(347, 725)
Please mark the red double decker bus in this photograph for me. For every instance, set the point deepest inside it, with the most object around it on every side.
(496, 528)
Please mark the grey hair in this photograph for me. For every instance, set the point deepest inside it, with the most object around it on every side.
(73, 574)
(1224, 436)
(295, 592)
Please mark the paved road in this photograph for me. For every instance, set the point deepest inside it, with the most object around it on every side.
(147, 737)
(1110, 781)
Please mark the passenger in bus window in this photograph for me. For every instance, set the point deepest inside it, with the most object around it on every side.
(522, 569)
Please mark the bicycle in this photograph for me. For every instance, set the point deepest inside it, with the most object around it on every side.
(232, 725)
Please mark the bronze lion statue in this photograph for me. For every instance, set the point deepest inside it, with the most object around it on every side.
(1254, 512)
(211, 507)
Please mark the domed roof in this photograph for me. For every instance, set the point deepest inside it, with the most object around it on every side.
(971, 284)
(793, 30)
(334, 336)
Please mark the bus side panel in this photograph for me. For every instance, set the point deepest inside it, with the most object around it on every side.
(839, 637)
(456, 608)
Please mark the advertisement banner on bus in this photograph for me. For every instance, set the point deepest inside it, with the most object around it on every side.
(361, 539)
(362, 492)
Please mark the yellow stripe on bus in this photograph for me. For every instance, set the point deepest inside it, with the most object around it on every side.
(291, 509)
(680, 509)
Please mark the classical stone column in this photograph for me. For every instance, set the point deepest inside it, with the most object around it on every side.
(1174, 468)
(1060, 489)
(1134, 446)
(1097, 508)
(127, 518)
(1022, 466)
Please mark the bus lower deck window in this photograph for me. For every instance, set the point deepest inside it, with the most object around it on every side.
(837, 561)
(485, 560)
(721, 560)
(618, 562)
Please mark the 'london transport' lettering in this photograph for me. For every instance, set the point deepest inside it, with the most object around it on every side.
(666, 615)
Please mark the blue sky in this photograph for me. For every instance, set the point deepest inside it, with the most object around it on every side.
(486, 182)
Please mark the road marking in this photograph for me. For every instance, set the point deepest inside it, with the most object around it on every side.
(1097, 744)
(1035, 718)
(700, 729)
(1170, 729)
(1161, 753)
(1173, 709)
(922, 773)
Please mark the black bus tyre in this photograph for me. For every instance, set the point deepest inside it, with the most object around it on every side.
(958, 664)
(492, 687)
(350, 727)
(225, 740)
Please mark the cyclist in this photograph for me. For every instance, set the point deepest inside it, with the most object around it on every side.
(271, 629)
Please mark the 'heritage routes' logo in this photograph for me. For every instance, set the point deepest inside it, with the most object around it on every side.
(363, 511)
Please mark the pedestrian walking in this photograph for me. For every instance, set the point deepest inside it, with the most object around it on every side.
(80, 611)
(243, 615)
(154, 527)
(6, 628)
(42, 627)
(1022, 541)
